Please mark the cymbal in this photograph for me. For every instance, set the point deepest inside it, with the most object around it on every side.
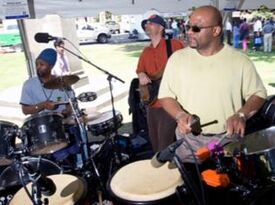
(61, 81)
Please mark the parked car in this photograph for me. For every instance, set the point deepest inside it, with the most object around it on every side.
(113, 26)
(93, 33)
(10, 40)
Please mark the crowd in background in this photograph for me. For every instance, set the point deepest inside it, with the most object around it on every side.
(239, 32)
(260, 33)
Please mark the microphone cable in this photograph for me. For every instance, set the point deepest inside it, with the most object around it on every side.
(25, 185)
(197, 172)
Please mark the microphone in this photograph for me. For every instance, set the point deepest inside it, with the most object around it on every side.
(166, 155)
(45, 37)
(46, 184)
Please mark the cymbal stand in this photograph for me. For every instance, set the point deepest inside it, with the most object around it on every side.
(109, 78)
(83, 133)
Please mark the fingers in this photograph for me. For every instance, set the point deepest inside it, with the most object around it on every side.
(235, 125)
(144, 79)
(184, 122)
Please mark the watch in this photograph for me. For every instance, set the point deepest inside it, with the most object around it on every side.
(241, 115)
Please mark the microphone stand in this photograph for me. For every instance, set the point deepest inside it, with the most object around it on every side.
(83, 134)
(110, 76)
(35, 195)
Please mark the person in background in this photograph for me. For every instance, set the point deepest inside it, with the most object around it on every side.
(62, 66)
(244, 34)
(257, 42)
(268, 31)
(236, 34)
(228, 28)
(150, 67)
(211, 80)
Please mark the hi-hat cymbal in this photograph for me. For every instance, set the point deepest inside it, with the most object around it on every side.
(61, 81)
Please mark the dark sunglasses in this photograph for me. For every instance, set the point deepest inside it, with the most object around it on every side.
(197, 29)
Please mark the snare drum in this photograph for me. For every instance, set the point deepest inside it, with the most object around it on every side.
(258, 160)
(104, 123)
(9, 177)
(8, 132)
(44, 133)
(139, 183)
(69, 191)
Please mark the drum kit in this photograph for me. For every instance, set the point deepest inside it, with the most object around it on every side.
(30, 166)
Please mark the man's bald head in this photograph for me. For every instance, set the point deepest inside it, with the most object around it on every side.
(210, 14)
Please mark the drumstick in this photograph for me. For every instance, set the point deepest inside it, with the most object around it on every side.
(61, 103)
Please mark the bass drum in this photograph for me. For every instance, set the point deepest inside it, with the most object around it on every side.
(139, 183)
(9, 176)
(70, 190)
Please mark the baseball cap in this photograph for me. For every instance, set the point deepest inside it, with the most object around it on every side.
(153, 19)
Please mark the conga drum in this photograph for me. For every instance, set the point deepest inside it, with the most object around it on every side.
(140, 183)
(70, 190)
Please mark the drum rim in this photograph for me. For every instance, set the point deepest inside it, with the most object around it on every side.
(42, 114)
(92, 122)
(9, 123)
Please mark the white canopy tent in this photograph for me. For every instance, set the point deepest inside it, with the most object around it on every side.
(75, 8)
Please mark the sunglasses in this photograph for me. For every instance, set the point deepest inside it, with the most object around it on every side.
(197, 29)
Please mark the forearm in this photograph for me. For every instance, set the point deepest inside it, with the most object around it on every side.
(252, 105)
(171, 106)
(32, 109)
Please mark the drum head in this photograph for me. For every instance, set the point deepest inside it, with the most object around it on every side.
(69, 190)
(9, 176)
(140, 181)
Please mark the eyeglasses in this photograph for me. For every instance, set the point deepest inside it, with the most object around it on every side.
(197, 29)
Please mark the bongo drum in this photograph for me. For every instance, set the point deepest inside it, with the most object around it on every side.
(69, 191)
(139, 183)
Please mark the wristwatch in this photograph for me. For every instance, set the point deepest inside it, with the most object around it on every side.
(241, 115)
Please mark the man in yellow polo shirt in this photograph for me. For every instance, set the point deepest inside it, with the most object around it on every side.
(211, 80)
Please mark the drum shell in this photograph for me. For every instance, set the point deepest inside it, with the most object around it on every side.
(104, 123)
(8, 132)
(254, 155)
(164, 201)
(41, 131)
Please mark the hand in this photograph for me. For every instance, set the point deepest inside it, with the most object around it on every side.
(235, 125)
(49, 105)
(184, 122)
(143, 79)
